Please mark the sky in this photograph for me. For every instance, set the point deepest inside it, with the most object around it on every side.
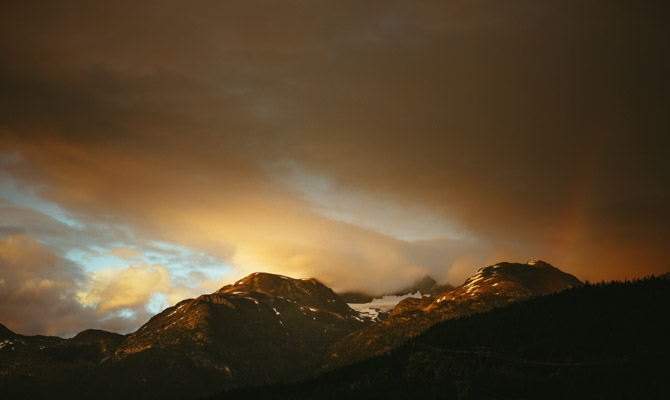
(154, 151)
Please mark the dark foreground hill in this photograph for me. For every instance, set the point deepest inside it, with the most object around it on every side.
(604, 341)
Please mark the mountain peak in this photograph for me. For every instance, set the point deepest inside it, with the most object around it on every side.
(539, 263)
(423, 285)
(307, 291)
(96, 336)
(6, 333)
(262, 328)
(532, 278)
(269, 283)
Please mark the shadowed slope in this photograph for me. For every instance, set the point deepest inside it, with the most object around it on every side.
(490, 287)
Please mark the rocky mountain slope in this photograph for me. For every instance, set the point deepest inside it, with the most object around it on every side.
(490, 287)
(603, 341)
(264, 328)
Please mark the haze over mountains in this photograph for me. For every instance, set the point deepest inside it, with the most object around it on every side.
(379, 307)
(262, 329)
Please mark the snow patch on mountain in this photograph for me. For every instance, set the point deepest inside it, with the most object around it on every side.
(177, 309)
(381, 305)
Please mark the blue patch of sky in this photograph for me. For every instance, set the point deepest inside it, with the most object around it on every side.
(157, 303)
(26, 196)
(96, 258)
(178, 259)
(182, 260)
(126, 313)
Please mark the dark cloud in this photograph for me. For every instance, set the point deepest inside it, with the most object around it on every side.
(539, 128)
(17, 220)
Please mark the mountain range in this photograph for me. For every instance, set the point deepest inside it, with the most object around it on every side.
(262, 330)
(490, 287)
(593, 341)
